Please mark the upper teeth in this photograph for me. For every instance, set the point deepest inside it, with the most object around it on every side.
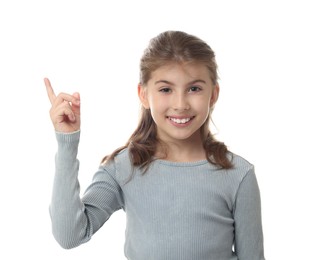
(180, 121)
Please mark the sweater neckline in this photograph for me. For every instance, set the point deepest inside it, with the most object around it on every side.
(182, 164)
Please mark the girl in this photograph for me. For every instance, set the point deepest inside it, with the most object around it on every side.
(185, 195)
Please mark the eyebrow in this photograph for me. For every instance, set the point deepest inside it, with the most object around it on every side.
(190, 83)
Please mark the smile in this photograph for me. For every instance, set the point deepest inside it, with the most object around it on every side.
(180, 120)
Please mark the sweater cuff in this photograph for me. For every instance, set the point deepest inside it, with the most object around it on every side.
(67, 139)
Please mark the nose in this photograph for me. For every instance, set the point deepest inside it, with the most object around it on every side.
(180, 103)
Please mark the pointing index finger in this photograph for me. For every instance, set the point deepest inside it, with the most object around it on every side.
(50, 91)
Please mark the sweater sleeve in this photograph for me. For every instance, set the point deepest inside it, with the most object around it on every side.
(74, 220)
(247, 215)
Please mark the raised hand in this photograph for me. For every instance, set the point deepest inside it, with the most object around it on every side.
(65, 110)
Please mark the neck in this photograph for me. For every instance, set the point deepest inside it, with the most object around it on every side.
(182, 151)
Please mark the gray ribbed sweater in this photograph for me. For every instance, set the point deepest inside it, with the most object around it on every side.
(176, 211)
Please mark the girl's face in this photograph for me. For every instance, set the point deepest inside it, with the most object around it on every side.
(180, 97)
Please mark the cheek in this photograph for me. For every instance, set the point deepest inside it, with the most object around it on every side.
(202, 104)
(157, 103)
(203, 107)
(205, 111)
(157, 110)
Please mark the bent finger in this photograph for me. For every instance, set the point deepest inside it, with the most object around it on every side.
(76, 106)
(59, 114)
(70, 114)
(64, 97)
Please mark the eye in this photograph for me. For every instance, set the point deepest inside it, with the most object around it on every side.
(165, 90)
(194, 89)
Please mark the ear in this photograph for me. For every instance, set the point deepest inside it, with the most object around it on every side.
(215, 94)
(142, 94)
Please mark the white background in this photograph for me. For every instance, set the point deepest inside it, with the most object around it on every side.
(266, 56)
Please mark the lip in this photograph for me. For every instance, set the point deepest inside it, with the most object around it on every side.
(178, 124)
(180, 117)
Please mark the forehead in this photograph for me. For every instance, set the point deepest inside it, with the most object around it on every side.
(189, 70)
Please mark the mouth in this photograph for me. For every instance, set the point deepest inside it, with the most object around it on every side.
(180, 121)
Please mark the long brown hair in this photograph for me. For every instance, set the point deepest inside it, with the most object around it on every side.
(172, 46)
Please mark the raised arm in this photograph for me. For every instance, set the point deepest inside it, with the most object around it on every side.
(75, 220)
(69, 224)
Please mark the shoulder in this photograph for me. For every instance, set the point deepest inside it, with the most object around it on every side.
(120, 167)
(240, 162)
(120, 157)
(238, 176)
(123, 159)
(241, 167)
